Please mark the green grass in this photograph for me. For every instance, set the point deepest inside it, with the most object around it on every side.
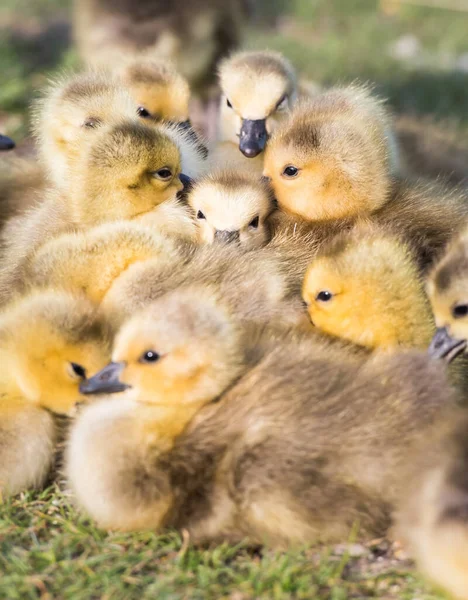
(343, 40)
(49, 551)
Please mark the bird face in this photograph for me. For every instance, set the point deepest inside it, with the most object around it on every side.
(325, 167)
(231, 213)
(366, 289)
(347, 307)
(323, 292)
(252, 106)
(447, 289)
(54, 342)
(308, 183)
(129, 171)
(51, 377)
(159, 92)
(181, 351)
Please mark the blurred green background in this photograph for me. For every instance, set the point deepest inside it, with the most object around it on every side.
(416, 55)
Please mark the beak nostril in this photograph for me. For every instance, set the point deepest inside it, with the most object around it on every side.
(226, 237)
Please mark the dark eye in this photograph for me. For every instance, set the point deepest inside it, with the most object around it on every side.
(290, 171)
(254, 222)
(150, 357)
(78, 370)
(143, 113)
(200, 215)
(228, 103)
(459, 311)
(305, 305)
(324, 296)
(281, 103)
(163, 174)
(92, 123)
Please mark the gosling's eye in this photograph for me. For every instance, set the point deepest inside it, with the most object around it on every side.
(283, 103)
(324, 296)
(290, 171)
(254, 222)
(92, 123)
(305, 305)
(164, 174)
(228, 103)
(200, 215)
(78, 370)
(143, 113)
(150, 357)
(459, 311)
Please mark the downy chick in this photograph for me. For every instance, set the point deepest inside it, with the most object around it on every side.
(365, 287)
(48, 343)
(258, 89)
(161, 94)
(158, 90)
(165, 376)
(255, 284)
(66, 119)
(69, 115)
(333, 157)
(447, 289)
(432, 517)
(129, 172)
(302, 440)
(89, 261)
(332, 163)
(231, 206)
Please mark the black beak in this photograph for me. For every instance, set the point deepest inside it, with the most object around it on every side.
(6, 143)
(445, 347)
(253, 137)
(106, 381)
(184, 125)
(227, 237)
(186, 181)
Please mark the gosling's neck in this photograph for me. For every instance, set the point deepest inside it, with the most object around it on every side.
(163, 424)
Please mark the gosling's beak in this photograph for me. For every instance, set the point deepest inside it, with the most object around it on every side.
(227, 237)
(6, 143)
(106, 381)
(445, 347)
(253, 137)
(184, 125)
(187, 182)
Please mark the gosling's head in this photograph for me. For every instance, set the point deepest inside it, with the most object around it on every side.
(182, 350)
(258, 89)
(232, 206)
(158, 90)
(127, 171)
(71, 113)
(365, 288)
(447, 288)
(49, 342)
(330, 159)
